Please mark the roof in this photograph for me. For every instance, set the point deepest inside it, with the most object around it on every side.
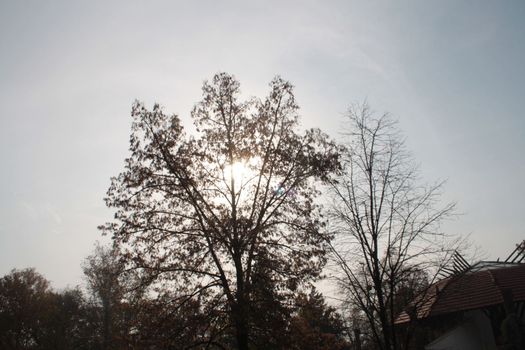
(473, 289)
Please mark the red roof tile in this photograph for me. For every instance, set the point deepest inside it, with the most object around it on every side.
(470, 290)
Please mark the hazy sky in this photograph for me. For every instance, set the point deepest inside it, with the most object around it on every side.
(452, 72)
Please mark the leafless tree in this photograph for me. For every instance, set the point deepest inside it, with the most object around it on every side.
(387, 224)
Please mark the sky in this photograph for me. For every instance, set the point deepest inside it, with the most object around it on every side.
(451, 72)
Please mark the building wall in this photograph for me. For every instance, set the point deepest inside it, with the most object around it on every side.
(475, 333)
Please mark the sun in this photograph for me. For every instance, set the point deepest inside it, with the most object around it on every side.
(236, 171)
(241, 172)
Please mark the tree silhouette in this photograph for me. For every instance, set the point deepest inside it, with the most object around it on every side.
(24, 298)
(317, 326)
(387, 223)
(108, 286)
(205, 212)
(33, 316)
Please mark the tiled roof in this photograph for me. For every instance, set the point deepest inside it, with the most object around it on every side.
(469, 290)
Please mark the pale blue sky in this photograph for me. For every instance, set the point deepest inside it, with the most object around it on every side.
(452, 72)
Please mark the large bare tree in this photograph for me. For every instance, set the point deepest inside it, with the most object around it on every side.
(387, 223)
(210, 212)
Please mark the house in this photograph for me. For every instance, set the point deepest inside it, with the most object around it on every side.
(477, 307)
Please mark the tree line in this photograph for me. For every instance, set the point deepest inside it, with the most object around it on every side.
(218, 235)
(112, 312)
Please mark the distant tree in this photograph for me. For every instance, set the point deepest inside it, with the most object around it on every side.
(164, 322)
(63, 325)
(33, 316)
(124, 313)
(271, 309)
(24, 300)
(387, 224)
(106, 282)
(317, 326)
(203, 212)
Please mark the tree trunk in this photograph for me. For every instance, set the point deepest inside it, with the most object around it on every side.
(384, 319)
(241, 326)
(242, 336)
(106, 325)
